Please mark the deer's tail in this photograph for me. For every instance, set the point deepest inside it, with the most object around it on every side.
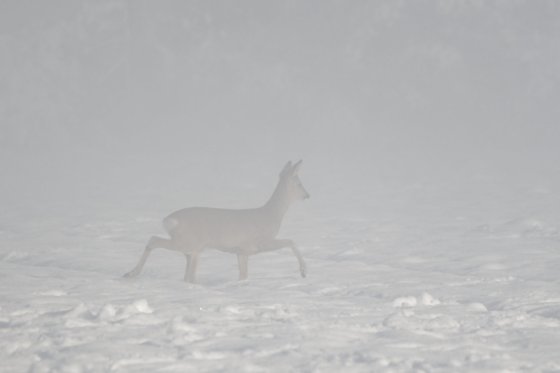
(170, 224)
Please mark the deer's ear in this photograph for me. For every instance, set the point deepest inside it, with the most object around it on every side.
(287, 168)
(296, 167)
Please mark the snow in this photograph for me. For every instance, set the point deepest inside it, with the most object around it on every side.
(384, 293)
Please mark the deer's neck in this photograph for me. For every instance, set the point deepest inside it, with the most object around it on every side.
(279, 202)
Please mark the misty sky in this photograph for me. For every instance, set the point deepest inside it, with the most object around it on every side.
(103, 88)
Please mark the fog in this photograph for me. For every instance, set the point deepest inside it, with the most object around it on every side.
(114, 90)
(428, 129)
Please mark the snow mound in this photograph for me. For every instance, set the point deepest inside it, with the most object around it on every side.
(405, 302)
(425, 299)
(476, 307)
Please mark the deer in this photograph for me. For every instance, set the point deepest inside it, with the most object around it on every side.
(243, 232)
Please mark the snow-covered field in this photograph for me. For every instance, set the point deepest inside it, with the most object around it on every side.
(423, 277)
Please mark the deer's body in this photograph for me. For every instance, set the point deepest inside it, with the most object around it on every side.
(243, 232)
(222, 229)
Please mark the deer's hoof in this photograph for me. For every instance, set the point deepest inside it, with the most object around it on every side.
(130, 274)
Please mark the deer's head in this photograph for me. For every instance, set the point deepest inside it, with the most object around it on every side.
(290, 179)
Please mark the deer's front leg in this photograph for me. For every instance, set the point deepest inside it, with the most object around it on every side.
(277, 244)
(243, 262)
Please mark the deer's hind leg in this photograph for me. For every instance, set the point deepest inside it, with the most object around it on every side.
(192, 264)
(155, 242)
(192, 250)
(243, 264)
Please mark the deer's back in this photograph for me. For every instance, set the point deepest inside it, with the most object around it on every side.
(220, 228)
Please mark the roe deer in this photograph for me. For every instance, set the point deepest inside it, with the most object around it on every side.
(242, 232)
